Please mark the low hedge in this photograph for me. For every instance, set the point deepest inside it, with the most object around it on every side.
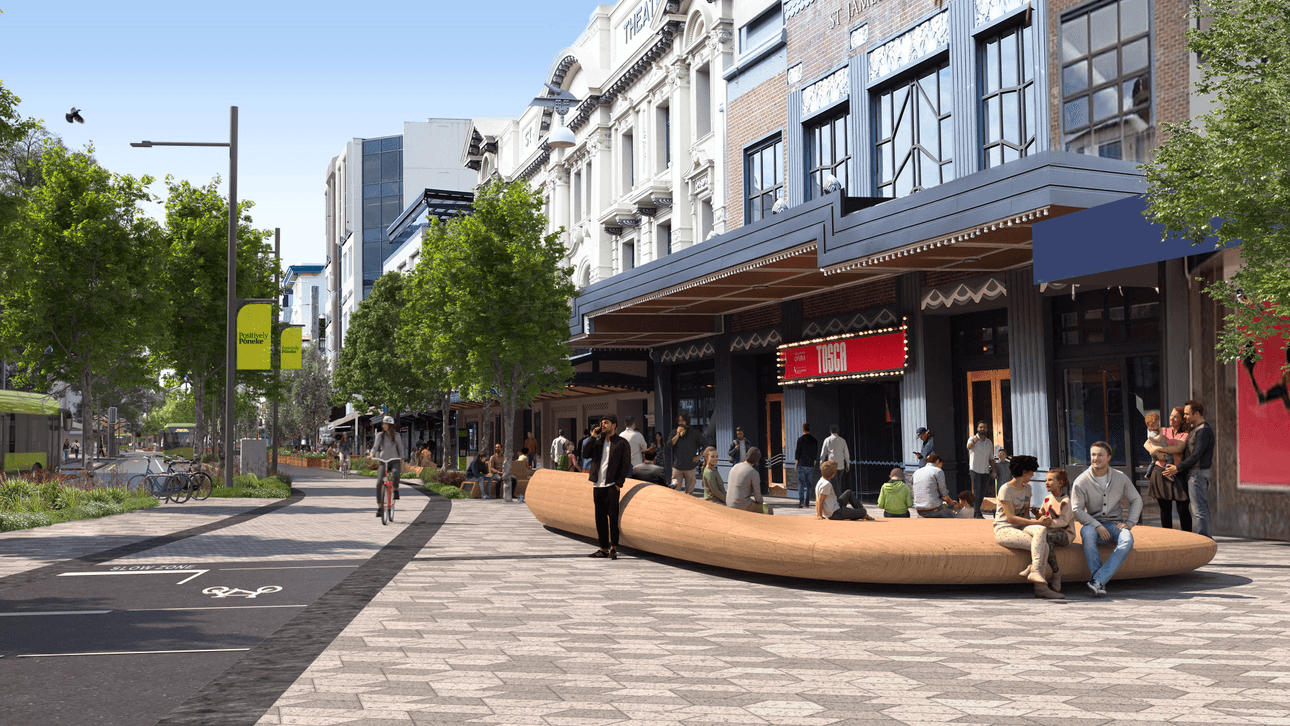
(25, 504)
(250, 486)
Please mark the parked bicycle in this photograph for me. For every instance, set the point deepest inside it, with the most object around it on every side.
(200, 481)
(172, 484)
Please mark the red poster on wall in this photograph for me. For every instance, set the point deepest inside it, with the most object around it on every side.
(837, 357)
(1263, 417)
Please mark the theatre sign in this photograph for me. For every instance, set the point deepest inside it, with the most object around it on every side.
(871, 354)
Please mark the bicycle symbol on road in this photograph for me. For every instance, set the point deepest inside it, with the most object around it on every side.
(222, 592)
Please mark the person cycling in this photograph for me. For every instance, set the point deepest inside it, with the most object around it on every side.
(346, 449)
(387, 445)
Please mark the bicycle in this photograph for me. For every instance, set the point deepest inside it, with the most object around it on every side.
(387, 494)
(202, 484)
(162, 484)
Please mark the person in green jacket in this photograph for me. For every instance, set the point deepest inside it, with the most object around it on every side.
(895, 498)
(714, 489)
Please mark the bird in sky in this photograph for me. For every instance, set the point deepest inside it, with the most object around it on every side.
(74, 116)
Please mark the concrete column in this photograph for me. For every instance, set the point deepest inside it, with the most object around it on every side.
(561, 212)
(1028, 363)
(1176, 361)
(682, 136)
(913, 385)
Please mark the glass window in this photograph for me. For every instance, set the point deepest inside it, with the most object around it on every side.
(828, 152)
(371, 169)
(1007, 95)
(1107, 316)
(629, 256)
(763, 179)
(915, 132)
(391, 166)
(762, 29)
(1106, 81)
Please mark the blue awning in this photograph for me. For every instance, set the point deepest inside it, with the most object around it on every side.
(1103, 238)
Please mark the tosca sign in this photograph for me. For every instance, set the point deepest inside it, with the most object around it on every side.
(290, 348)
(255, 338)
(842, 357)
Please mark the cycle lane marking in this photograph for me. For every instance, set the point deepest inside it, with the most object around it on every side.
(134, 652)
(196, 573)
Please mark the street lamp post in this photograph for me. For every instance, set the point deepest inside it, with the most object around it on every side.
(230, 339)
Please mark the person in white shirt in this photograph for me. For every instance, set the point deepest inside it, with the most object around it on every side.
(557, 447)
(828, 505)
(980, 462)
(931, 497)
(635, 440)
(835, 449)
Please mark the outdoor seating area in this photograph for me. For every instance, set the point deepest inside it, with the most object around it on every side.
(667, 522)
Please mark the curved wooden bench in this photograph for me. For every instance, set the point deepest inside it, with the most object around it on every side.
(907, 551)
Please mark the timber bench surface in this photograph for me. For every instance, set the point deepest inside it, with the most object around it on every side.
(666, 522)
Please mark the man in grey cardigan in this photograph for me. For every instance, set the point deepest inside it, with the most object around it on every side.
(1095, 498)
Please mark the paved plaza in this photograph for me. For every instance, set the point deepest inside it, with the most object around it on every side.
(497, 620)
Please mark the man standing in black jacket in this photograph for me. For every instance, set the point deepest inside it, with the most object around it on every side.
(1197, 461)
(611, 463)
(807, 451)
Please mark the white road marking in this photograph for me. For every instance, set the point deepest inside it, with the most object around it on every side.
(196, 573)
(223, 592)
(55, 612)
(135, 652)
(214, 607)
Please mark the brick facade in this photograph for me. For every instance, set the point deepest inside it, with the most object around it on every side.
(763, 317)
(752, 116)
(848, 299)
(1170, 64)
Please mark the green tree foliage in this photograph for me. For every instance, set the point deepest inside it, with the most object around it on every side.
(80, 292)
(177, 408)
(309, 394)
(1227, 173)
(13, 128)
(504, 298)
(196, 281)
(373, 367)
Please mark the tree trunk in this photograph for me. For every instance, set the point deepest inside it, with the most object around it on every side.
(449, 447)
(88, 438)
(199, 402)
(508, 433)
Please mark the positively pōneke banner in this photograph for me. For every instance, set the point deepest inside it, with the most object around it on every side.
(255, 338)
(290, 348)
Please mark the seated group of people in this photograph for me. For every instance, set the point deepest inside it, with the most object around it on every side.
(491, 474)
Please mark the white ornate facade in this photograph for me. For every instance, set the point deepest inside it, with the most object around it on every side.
(645, 176)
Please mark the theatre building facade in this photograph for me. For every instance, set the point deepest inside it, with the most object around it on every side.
(932, 217)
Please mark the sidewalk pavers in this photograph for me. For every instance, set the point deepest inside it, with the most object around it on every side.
(499, 620)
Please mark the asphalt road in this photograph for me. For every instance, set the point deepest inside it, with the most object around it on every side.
(127, 643)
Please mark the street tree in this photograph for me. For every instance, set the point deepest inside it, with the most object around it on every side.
(13, 128)
(374, 369)
(196, 282)
(1226, 174)
(505, 294)
(309, 395)
(80, 292)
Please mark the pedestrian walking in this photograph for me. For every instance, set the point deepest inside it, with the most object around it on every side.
(557, 447)
(1197, 464)
(635, 439)
(806, 454)
(1096, 497)
(980, 462)
(686, 443)
(739, 447)
(611, 464)
(67, 448)
(835, 449)
(582, 444)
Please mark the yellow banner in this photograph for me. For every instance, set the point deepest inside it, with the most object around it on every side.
(255, 338)
(290, 348)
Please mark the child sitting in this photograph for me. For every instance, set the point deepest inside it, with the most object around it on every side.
(1061, 531)
(1155, 438)
(895, 497)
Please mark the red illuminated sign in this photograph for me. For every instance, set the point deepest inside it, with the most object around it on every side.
(862, 355)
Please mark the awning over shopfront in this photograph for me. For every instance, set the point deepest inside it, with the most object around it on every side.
(1107, 237)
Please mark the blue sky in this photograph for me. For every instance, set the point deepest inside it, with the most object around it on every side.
(306, 77)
